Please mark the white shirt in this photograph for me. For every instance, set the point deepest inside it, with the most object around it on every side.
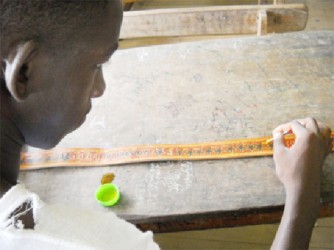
(64, 227)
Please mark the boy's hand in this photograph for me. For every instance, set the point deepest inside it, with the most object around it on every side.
(299, 169)
(300, 166)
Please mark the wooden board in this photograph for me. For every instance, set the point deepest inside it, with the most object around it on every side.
(212, 20)
(193, 92)
(163, 4)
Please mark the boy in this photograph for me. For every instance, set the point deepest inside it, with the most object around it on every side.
(51, 54)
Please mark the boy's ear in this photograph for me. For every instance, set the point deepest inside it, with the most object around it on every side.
(18, 70)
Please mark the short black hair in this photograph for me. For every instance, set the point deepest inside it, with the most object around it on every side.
(52, 21)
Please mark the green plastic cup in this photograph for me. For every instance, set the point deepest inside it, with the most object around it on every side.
(107, 194)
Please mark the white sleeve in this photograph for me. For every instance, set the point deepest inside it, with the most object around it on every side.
(65, 227)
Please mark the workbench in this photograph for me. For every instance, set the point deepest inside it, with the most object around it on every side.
(192, 92)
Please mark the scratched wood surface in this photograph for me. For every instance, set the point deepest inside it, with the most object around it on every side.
(213, 20)
(196, 92)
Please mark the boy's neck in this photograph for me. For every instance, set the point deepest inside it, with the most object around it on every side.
(11, 145)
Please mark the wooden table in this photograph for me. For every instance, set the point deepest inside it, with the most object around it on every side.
(198, 92)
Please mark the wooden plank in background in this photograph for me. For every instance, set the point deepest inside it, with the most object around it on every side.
(212, 20)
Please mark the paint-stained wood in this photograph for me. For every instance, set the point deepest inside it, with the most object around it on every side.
(129, 1)
(127, 4)
(212, 20)
(195, 92)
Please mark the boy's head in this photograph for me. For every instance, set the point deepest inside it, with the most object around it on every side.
(51, 55)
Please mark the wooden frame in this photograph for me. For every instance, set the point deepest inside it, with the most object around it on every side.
(214, 20)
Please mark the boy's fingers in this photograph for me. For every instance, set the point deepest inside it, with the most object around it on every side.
(278, 142)
(283, 128)
(301, 128)
(297, 128)
(326, 135)
(311, 124)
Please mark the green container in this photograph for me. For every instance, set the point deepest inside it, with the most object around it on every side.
(107, 194)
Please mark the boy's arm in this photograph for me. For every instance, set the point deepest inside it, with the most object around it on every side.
(299, 169)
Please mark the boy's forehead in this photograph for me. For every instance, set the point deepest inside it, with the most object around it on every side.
(108, 27)
(102, 36)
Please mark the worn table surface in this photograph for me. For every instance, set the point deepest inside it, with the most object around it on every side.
(198, 92)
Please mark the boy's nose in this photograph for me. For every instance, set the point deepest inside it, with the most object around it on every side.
(99, 85)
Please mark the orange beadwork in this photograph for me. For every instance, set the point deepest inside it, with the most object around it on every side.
(241, 148)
